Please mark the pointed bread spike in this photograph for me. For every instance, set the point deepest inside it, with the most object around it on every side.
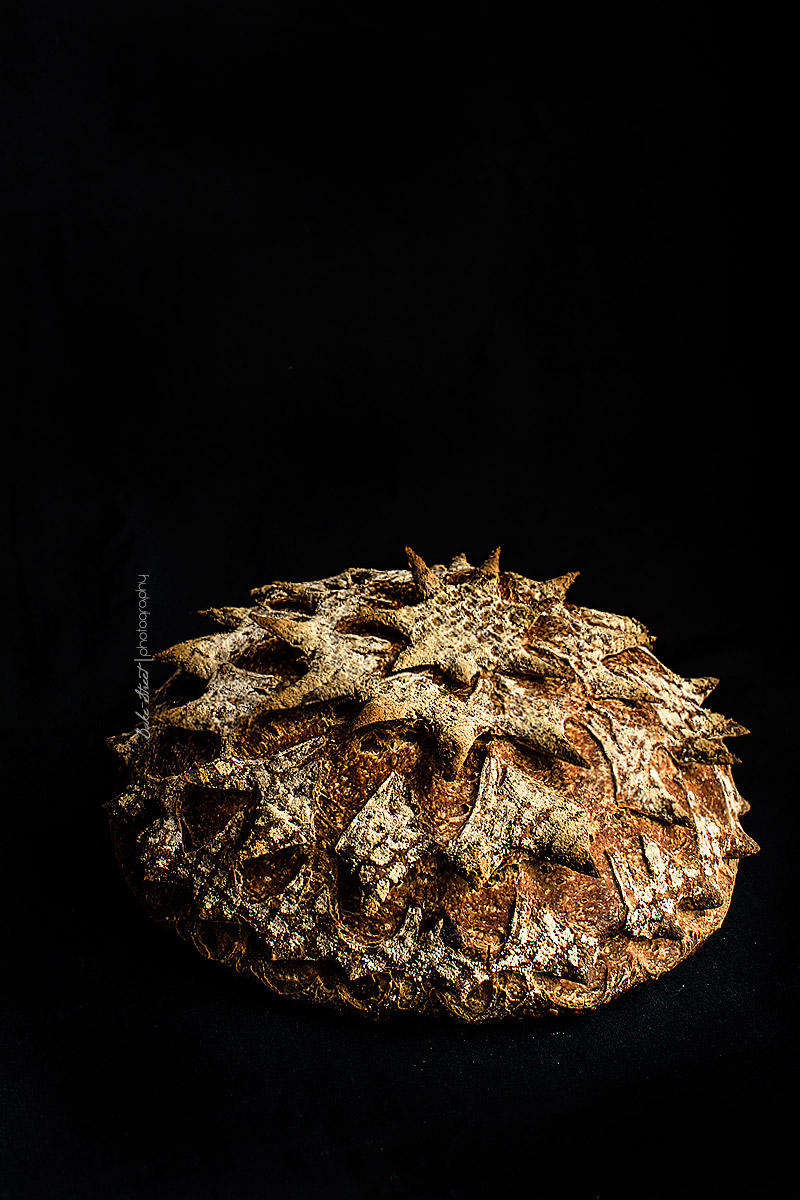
(293, 632)
(659, 803)
(122, 744)
(462, 667)
(428, 584)
(607, 684)
(489, 570)
(459, 562)
(648, 892)
(570, 840)
(384, 839)
(620, 640)
(704, 750)
(293, 694)
(523, 662)
(453, 744)
(375, 614)
(669, 927)
(741, 846)
(703, 686)
(228, 617)
(557, 588)
(307, 593)
(734, 729)
(378, 710)
(411, 656)
(177, 654)
(702, 895)
(717, 726)
(543, 738)
(200, 656)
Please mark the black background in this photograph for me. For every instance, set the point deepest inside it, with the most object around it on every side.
(296, 285)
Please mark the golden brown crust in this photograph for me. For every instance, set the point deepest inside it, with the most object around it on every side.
(434, 790)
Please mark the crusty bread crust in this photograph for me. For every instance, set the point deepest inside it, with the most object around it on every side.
(441, 789)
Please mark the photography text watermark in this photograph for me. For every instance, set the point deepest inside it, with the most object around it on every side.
(143, 687)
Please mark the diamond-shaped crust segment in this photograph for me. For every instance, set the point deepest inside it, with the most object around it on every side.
(384, 840)
(455, 722)
(511, 815)
(440, 789)
(540, 943)
(288, 790)
(337, 663)
(446, 626)
(651, 890)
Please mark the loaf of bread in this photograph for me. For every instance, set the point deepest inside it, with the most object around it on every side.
(443, 790)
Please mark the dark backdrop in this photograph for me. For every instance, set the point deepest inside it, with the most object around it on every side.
(295, 285)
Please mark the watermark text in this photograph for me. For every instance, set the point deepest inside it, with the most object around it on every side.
(143, 683)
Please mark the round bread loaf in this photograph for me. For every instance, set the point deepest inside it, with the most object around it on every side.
(441, 790)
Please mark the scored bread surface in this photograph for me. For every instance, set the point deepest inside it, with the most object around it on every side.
(441, 789)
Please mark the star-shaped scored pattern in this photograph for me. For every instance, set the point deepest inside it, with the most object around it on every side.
(455, 722)
(337, 664)
(692, 733)
(421, 954)
(594, 645)
(637, 782)
(202, 656)
(702, 888)
(255, 811)
(288, 789)
(461, 627)
(650, 892)
(231, 694)
(513, 813)
(161, 845)
(656, 889)
(733, 841)
(279, 800)
(287, 924)
(384, 839)
(538, 943)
